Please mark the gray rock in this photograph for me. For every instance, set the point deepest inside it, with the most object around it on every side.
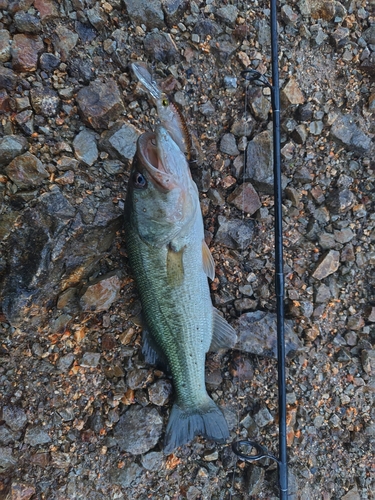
(138, 378)
(230, 82)
(138, 430)
(263, 418)
(228, 145)
(8, 79)
(243, 127)
(121, 141)
(26, 171)
(159, 392)
(100, 103)
(327, 265)
(126, 476)
(288, 15)
(228, 14)
(6, 436)
(316, 127)
(14, 417)
(245, 198)
(259, 165)
(45, 101)
(64, 41)
(344, 235)
(258, 334)
(97, 17)
(327, 241)
(234, 233)
(90, 359)
(340, 37)
(85, 148)
(49, 62)
(158, 46)
(4, 46)
(347, 133)
(65, 362)
(174, 11)
(323, 294)
(10, 147)
(340, 200)
(153, 460)
(7, 460)
(27, 23)
(148, 12)
(25, 121)
(255, 480)
(259, 104)
(369, 35)
(35, 436)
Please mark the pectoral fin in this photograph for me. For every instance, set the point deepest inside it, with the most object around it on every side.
(151, 352)
(208, 261)
(175, 267)
(223, 336)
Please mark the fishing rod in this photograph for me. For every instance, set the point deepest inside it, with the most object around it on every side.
(243, 449)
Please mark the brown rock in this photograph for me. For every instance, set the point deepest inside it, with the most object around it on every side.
(100, 295)
(64, 41)
(44, 101)
(329, 264)
(26, 171)
(22, 491)
(25, 51)
(47, 9)
(4, 102)
(4, 46)
(291, 94)
(245, 198)
(322, 9)
(17, 5)
(100, 103)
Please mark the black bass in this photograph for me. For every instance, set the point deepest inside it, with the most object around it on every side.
(171, 262)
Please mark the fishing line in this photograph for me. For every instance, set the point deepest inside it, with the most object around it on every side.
(244, 449)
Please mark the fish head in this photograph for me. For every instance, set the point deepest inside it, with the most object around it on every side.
(162, 198)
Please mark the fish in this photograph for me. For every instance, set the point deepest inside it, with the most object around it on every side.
(171, 263)
(169, 114)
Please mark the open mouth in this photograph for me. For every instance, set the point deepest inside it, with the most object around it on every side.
(150, 158)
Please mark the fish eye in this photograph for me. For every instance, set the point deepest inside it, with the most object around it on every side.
(139, 180)
(165, 102)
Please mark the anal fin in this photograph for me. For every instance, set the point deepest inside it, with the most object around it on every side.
(223, 335)
(208, 261)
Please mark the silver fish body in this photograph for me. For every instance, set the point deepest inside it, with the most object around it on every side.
(171, 262)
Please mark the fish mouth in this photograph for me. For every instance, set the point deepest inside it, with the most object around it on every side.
(163, 159)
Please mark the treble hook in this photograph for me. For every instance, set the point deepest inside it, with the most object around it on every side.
(262, 452)
(252, 75)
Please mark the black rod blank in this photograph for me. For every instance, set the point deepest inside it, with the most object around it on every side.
(240, 447)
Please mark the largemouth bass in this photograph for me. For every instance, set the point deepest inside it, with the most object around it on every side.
(171, 262)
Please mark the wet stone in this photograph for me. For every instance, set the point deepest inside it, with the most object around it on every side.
(259, 167)
(10, 147)
(120, 141)
(245, 198)
(90, 360)
(4, 46)
(258, 334)
(328, 264)
(85, 148)
(291, 94)
(26, 171)
(228, 145)
(100, 294)
(159, 392)
(35, 436)
(148, 12)
(153, 460)
(234, 233)
(7, 460)
(45, 101)
(138, 430)
(158, 46)
(340, 200)
(64, 41)
(27, 23)
(25, 51)
(347, 133)
(100, 103)
(14, 417)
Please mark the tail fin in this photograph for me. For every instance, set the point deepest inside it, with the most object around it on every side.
(185, 423)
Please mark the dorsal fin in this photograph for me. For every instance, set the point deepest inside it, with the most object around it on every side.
(208, 261)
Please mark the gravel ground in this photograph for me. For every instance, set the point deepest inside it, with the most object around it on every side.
(82, 416)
